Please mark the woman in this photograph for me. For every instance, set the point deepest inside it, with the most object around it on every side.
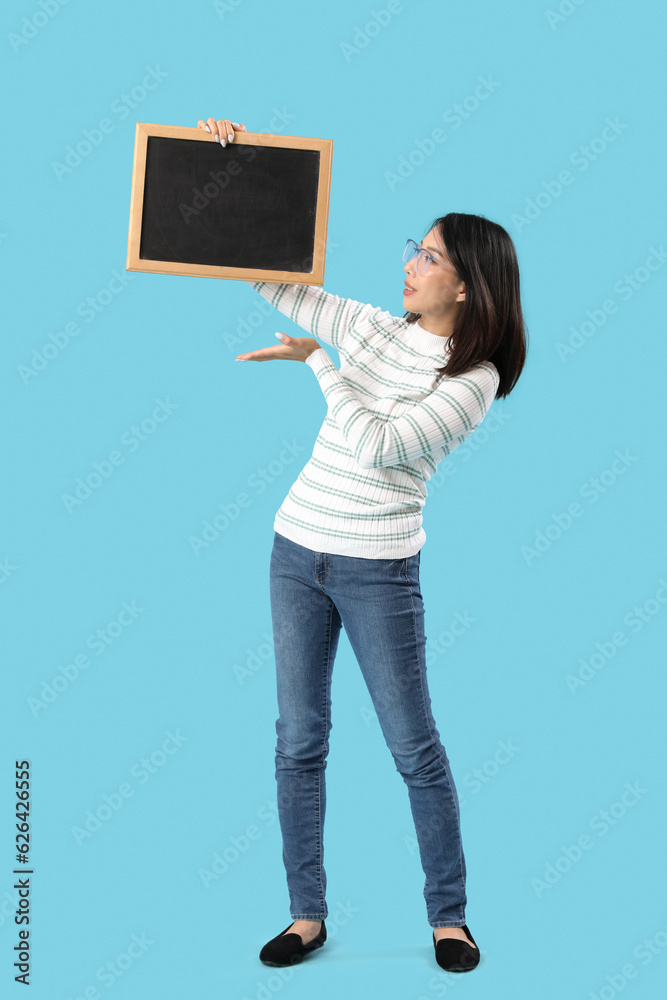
(348, 536)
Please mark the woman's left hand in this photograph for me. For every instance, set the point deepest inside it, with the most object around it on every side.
(290, 349)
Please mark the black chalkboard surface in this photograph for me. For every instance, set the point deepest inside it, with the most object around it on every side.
(256, 209)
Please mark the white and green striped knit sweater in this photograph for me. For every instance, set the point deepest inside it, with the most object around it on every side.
(390, 420)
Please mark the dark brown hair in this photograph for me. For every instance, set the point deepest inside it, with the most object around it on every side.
(490, 324)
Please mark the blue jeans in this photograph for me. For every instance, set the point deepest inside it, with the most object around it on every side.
(379, 603)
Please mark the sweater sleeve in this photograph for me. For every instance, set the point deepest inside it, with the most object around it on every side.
(444, 419)
(323, 315)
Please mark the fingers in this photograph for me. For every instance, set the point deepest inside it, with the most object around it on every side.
(208, 125)
(221, 129)
(225, 131)
(268, 354)
(265, 354)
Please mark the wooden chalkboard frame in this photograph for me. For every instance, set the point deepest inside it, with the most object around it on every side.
(137, 263)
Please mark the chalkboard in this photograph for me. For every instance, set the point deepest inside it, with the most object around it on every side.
(256, 209)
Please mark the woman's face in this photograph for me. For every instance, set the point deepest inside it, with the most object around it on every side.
(438, 290)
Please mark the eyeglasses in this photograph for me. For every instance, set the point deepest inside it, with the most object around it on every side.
(422, 257)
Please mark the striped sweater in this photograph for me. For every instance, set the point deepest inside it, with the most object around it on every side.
(390, 420)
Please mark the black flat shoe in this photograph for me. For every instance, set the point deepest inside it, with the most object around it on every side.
(455, 955)
(289, 949)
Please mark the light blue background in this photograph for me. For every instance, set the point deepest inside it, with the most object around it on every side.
(197, 659)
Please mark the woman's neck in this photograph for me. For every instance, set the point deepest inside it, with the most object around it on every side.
(440, 326)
